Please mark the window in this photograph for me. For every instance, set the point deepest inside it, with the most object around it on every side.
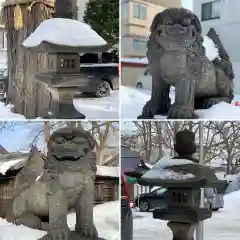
(211, 10)
(124, 10)
(139, 11)
(160, 191)
(139, 44)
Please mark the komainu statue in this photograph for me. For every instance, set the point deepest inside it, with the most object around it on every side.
(176, 57)
(67, 184)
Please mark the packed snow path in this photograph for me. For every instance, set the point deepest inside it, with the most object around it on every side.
(224, 224)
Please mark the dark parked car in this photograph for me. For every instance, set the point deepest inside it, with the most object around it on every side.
(155, 199)
(101, 73)
(126, 213)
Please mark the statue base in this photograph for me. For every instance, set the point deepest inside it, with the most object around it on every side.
(73, 236)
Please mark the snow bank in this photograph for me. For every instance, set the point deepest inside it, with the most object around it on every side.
(232, 200)
(160, 171)
(108, 171)
(106, 219)
(65, 32)
(99, 108)
(5, 112)
(133, 100)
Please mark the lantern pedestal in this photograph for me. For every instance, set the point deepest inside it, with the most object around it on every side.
(62, 103)
(182, 231)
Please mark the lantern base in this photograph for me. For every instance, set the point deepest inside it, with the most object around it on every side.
(61, 110)
(182, 231)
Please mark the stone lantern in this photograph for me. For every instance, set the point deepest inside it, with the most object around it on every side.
(64, 39)
(183, 180)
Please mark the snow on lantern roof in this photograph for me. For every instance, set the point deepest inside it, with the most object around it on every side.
(160, 170)
(64, 32)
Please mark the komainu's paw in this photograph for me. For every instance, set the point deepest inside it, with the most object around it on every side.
(149, 111)
(88, 232)
(59, 233)
(181, 112)
(29, 221)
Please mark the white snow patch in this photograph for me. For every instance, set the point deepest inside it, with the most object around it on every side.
(5, 112)
(211, 49)
(108, 171)
(99, 108)
(66, 32)
(12, 164)
(106, 219)
(133, 101)
(135, 60)
(145, 227)
(160, 171)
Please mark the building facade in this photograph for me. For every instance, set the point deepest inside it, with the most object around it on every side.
(223, 15)
(137, 16)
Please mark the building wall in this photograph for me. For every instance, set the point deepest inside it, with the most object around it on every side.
(135, 31)
(130, 73)
(228, 27)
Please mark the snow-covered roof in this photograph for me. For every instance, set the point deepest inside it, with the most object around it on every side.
(12, 161)
(65, 32)
(107, 171)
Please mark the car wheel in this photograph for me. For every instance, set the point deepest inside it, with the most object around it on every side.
(139, 85)
(144, 206)
(215, 209)
(103, 89)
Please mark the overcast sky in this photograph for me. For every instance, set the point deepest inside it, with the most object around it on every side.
(187, 4)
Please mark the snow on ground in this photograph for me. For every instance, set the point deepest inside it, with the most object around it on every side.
(133, 100)
(5, 112)
(106, 218)
(99, 108)
(224, 224)
(92, 108)
(60, 31)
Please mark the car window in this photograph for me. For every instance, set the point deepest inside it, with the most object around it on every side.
(89, 58)
(160, 191)
(209, 191)
(110, 57)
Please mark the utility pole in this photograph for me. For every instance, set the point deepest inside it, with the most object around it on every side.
(199, 229)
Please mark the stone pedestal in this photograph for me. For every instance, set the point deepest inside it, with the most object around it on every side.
(73, 236)
(62, 103)
(182, 231)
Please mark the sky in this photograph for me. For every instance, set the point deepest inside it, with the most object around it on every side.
(187, 4)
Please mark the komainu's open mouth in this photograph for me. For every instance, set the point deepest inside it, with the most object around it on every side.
(66, 157)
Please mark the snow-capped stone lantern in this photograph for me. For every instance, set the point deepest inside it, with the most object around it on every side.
(183, 180)
(63, 39)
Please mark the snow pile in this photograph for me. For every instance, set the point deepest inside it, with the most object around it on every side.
(5, 112)
(66, 32)
(133, 101)
(106, 219)
(231, 201)
(160, 170)
(99, 108)
(211, 49)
